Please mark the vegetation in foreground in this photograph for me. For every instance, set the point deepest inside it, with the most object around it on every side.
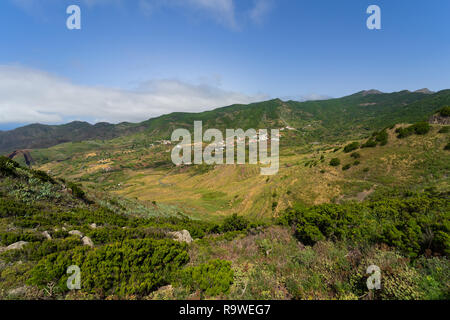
(318, 252)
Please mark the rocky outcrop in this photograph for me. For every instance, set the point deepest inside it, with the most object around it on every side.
(439, 119)
(424, 90)
(15, 246)
(181, 236)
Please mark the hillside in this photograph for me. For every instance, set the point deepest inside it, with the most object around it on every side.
(139, 169)
(43, 136)
(345, 197)
(318, 252)
(350, 117)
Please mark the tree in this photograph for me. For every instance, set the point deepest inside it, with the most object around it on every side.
(335, 162)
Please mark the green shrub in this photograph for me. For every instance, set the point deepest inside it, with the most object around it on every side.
(12, 208)
(77, 191)
(356, 163)
(382, 137)
(412, 224)
(445, 129)
(43, 176)
(132, 267)
(355, 155)
(420, 128)
(8, 167)
(7, 238)
(335, 162)
(447, 147)
(351, 147)
(346, 167)
(34, 251)
(212, 279)
(371, 143)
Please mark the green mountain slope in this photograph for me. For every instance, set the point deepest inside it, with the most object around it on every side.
(43, 136)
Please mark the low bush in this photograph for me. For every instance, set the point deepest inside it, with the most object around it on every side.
(132, 267)
(351, 147)
(447, 147)
(445, 112)
(211, 279)
(335, 162)
(234, 223)
(412, 224)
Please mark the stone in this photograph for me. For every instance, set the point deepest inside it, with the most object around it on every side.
(76, 233)
(16, 246)
(182, 236)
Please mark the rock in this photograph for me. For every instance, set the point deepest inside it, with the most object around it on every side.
(182, 236)
(16, 246)
(76, 233)
(93, 226)
(47, 235)
(438, 119)
(87, 241)
(163, 293)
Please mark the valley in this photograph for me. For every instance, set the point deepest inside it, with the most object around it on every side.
(362, 180)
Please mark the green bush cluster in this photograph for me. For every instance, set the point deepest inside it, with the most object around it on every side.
(351, 147)
(112, 234)
(445, 129)
(377, 138)
(131, 267)
(335, 162)
(234, 223)
(420, 128)
(7, 238)
(11, 208)
(77, 191)
(8, 167)
(412, 224)
(34, 251)
(447, 146)
(211, 279)
(43, 176)
(445, 111)
(346, 167)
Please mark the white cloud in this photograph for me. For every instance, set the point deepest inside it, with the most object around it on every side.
(28, 96)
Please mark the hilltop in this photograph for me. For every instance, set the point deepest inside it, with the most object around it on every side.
(343, 118)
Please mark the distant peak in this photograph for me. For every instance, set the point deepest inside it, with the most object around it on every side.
(369, 92)
(424, 90)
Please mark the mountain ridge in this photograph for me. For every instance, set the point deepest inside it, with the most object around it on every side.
(370, 109)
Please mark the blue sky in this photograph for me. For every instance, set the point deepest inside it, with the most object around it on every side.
(136, 59)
